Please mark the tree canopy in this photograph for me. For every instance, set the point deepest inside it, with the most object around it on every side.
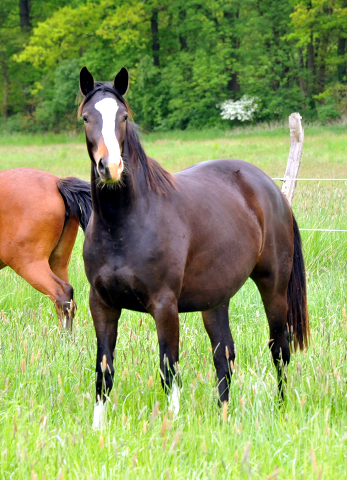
(185, 58)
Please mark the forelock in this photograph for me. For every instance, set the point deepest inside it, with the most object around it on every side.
(104, 88)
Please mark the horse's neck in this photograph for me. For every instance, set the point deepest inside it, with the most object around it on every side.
(112, 203)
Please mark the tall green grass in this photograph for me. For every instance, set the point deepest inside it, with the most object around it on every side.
(47, 376)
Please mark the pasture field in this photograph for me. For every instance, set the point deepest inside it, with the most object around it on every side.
(47, 376)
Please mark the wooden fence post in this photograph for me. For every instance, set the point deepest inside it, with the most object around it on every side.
(294, 159)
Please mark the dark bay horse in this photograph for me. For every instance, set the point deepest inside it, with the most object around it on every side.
(165, 244)
(39, 218)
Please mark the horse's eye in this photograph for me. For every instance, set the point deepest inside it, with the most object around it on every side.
(125, 118)
(85, 119)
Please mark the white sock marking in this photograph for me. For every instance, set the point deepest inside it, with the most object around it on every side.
(108, 108)
(174, 399)
(99, 416)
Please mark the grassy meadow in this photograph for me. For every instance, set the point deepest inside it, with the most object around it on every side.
(47, 376)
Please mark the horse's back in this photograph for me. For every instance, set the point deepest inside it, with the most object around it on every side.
(233, 173)
(237, 186)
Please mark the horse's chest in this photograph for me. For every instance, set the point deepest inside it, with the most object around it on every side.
(113, 278)
(116, 285)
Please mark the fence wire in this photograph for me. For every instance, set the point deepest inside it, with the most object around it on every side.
(316, 180)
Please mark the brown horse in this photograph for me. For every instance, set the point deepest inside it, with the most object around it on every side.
(39, 218)
(165, 244)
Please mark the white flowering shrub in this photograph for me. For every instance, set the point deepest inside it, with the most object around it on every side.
(243, 109)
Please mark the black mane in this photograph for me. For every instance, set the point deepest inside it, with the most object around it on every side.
(157, 178)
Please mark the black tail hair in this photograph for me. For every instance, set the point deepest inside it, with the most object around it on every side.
(77, 198)
(297, 317)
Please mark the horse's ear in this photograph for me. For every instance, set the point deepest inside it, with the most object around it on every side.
(121, 81)
(86, 81)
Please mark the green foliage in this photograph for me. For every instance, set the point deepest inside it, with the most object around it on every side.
(65, 35)
(60, 110)
(328, 111)
(185, 57)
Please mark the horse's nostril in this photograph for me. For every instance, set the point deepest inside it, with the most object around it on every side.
(101, 167)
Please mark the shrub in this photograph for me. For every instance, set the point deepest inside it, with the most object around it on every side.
(327, 112)
(243, 109)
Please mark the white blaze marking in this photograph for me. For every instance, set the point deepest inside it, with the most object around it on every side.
(108, 108)
(174, 399)
(99, 415)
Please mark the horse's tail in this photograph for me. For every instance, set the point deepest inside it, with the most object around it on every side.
(297, 317)
(77, 197)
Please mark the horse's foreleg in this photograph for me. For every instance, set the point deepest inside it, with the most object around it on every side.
(216, 322)
(165, 312)
(106, 327)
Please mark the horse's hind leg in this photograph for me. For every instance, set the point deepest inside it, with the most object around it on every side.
(40, 276)
(59, 262)
(216, 322)
(276, 308)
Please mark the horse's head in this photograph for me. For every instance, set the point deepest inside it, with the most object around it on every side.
(104, 112)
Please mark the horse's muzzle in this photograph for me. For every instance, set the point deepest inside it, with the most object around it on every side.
(110, 172)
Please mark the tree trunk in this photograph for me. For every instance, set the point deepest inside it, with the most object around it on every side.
(6, 84)
(233, 84)
(182, 39)
(301, 73)
(342, 51)
(322, 64)
(342, 67)
(310, 67)
(183, 42)
(24, 15)
(155, 37)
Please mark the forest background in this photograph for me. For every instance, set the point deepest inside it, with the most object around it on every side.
(185, 59)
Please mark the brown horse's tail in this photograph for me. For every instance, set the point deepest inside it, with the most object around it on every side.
(77, 198)
(297, 317)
